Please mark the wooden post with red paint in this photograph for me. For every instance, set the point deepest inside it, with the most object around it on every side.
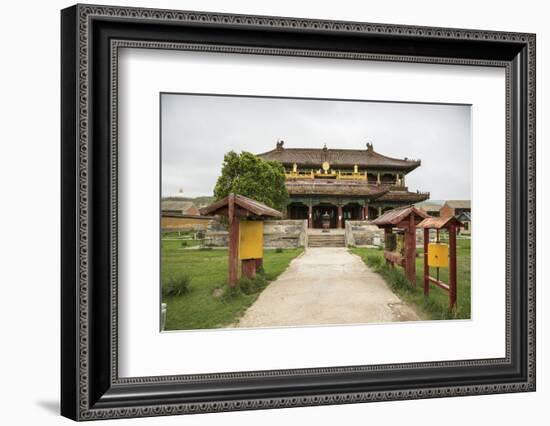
(452, 267)
(387, 233)
(410, 251)
(233, 242)
(249, 268)
(426, 266)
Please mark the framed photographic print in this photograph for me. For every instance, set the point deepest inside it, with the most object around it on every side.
(263, 212)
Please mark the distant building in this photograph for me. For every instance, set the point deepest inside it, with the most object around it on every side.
(455, 207)
(466, 219)
(347, 184)
(176, 205)
(431, 208)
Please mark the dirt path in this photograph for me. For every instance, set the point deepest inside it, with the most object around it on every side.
(326, 286)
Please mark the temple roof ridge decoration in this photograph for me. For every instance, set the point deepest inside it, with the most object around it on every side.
(338, 157)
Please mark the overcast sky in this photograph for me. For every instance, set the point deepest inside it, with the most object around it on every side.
(198, 130)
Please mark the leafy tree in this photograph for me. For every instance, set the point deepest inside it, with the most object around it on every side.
(249, 175)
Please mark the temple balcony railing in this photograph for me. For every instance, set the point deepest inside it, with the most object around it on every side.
(329, 174)
(343, 176)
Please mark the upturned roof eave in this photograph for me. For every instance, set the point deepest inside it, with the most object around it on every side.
(395, 216)
(409, 197)
(253, 206)
(401, 164)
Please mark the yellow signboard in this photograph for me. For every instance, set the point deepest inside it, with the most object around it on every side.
(438, 255)
(251, 239)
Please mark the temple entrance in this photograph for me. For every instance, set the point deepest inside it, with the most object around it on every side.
(351, 211)
(320, 210)
(297, 211)
(373, 213)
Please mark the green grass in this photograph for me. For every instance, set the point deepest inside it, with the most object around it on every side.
(208, 303)
(436, 305)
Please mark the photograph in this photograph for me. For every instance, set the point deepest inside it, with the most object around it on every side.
(272, 208)
(289, 212)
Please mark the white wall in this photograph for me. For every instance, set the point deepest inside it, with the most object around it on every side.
(29, 217)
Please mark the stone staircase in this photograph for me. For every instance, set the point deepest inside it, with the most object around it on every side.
(326, 240)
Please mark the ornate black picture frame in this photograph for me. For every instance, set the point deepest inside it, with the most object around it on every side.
(91, 36)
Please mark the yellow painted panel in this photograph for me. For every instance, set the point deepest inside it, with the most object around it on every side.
(251, 239)
(438, 255)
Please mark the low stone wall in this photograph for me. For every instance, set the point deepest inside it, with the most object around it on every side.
(216, 234)
(285, 233)
(363, 233)
(277, 233)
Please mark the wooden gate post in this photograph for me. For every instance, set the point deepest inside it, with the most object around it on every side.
(387, 233)
(426, 266)
(410, 251)
(233, 242)
(249, 268)
(452, 267)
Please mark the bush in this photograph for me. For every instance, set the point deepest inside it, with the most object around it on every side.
(251, 286)
(175, 285)
(184, 243)
(374, 261)
(397, 278)
(247, 285)
(229, 293)
(278, 250)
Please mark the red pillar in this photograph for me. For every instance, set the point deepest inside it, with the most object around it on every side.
(366, 212)
(249, 268)
(310, 217)
(233, 242)
(452, 267)
(410, 251)
(339, 216)
(426, 267)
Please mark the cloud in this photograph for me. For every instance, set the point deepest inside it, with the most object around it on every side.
(198, 130)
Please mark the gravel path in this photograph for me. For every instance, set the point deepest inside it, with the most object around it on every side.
(327, 286)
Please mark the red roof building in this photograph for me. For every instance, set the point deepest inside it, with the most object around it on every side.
(348, 184)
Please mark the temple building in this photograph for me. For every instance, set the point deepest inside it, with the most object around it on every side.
(347, 184)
